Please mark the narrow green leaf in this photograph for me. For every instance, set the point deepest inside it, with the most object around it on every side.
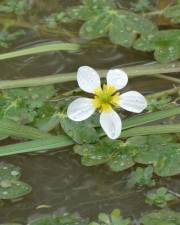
(11, 128)
(41, 49)
(154, 129)
(36, 145)
(150, 117)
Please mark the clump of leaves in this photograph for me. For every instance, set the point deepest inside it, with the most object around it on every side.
(65, 219)
(141, 177)
(17, 7)
(159, 197)
(161, 151)
(10, 186)
(114, 218)
(159, 104)
(26, 105)
(55, 19)
(162, 217)
(7, 38)
(103, 19)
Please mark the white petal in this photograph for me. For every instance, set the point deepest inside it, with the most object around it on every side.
(80, 109)
(88, 79)
(133, 101)
(117, 78)
(111, 124)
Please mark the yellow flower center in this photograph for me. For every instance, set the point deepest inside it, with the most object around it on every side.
(105, 98)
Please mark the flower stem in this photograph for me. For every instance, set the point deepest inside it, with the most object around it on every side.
(132, 71)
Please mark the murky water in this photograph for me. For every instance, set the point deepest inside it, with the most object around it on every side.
(58, 179)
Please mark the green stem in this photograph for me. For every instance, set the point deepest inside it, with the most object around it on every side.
(133, 71)
(165, 77)
(160, 94)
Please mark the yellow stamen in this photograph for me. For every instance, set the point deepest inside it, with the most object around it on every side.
(105, 98)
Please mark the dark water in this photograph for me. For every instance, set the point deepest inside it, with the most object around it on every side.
(59, 181)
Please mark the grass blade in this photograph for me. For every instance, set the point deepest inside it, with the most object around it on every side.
(10, 128)
(154, 129)
(40, 49)
(36, 145)
(150, 117)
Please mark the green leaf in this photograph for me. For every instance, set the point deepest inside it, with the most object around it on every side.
(122, 161)
(114, 218)
(159, 197)
(14, 190)
(167, 46)
(173, 12)
(13, 129)
(9, 172)
(90, 9)
(10, 187)
(165, 43)
(80, 132)
(126, 26)
(162, 217)
(36, 145)
(141, 177)
(150, 117)
(161, 151)
(97, 154)
(96, 27)
(65, 219)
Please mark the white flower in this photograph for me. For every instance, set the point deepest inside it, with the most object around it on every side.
(105, 97)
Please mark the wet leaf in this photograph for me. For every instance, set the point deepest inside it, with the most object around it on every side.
(114, 218)
(96, 27)
(162, 217)
(165, 43)
(159, 197)
(12, 189)
(9, 172)
(141, 177)
(80, 132)
(65, 219)
(127, 26)
(97, 154)
(173, 12)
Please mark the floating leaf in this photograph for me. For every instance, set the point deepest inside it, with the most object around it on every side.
(9, 172)
(58, 220)
(159, 197)
(126, 26)
(163, 217)
(165, 43)
(11, 189)
(141, 177)
(114, 218)
(98, 153)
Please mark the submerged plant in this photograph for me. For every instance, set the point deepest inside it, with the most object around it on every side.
(105, 98)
